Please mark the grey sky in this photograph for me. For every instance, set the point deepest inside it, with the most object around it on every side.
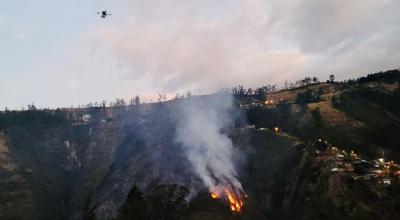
(60, 53)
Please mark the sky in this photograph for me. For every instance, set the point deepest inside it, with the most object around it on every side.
(61, 53)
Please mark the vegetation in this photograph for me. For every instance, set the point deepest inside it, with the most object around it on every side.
(134, 207)
(308, 96)
(31, 117)
(166, 202)
(379, 111)
(65, 166)
(389, 76)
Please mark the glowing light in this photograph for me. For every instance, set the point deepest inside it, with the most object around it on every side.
(214, 195)
(233, 197)
(235, 202)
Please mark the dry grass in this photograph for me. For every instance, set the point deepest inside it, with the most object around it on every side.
(5, 161)
(331, 115)
(291, 94)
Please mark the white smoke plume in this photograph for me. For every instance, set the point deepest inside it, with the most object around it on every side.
(207, 147)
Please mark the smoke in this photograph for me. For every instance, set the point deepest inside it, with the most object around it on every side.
(207, 147)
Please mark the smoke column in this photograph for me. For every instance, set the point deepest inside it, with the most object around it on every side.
(208, 149)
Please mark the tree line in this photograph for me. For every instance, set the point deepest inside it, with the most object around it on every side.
(389, 76)
(261, 92)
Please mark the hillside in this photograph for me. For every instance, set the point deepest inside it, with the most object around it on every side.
(125, 161)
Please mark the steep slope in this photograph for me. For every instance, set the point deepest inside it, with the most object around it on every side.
(59, 164)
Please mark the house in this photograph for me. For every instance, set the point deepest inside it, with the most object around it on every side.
(86, 118)
(256, 104)
(251, 127)
(340, 156)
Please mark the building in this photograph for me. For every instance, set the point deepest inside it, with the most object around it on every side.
(256, 104)
(86, 118)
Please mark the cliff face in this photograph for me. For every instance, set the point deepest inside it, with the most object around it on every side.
(58, 165)
(63, 170)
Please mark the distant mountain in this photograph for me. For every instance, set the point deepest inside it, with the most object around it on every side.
(124, 162)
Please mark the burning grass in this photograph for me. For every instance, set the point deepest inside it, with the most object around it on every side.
(235, 198)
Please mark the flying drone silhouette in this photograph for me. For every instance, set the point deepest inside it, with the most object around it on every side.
(104, 14)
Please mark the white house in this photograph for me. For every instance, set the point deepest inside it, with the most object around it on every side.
(86, 117)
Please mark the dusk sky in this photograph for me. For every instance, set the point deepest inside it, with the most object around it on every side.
(58, 53)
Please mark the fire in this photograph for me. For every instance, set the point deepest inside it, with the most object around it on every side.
(234, 199)
(214, 195)
(235, 203)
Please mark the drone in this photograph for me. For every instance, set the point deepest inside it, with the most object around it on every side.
(103, 14)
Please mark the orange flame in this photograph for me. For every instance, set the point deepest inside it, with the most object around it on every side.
(235, 201)
(214, 195)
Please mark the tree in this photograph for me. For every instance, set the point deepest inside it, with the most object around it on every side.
(168, 202)
(250, 91)
(316, 113)
(160, 98)
(307, 97)
(134, 206)
(239, 90)
(331, 78)
(137, 100)
(260, 94)
(31, 107)
(119, 102)
(306, 81)
(286, 86)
